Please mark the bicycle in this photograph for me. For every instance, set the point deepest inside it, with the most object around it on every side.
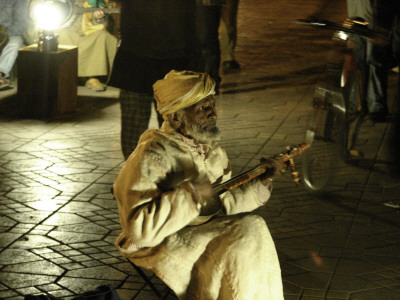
(338, 110)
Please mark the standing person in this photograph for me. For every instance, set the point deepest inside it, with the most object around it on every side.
(14, 19)
(388, 22)
(228, 35)
(208, 15)
(201, 245)
(157, 36)
(96, 46)
(373, 61)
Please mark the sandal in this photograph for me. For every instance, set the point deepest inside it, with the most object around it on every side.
(5, 84)
(95, 85)
(353, 155)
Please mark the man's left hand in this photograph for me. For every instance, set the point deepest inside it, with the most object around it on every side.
(273, 168)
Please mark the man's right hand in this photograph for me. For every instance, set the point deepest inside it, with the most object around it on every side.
(98, 14)
(209, 201)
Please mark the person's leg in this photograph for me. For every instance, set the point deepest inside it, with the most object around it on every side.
(96, 54)
(135, 115)
(207, 24)
(378, 60)
(244, 260)
(228, 34)
(360, 55)
(239, 260)
(9, 55)
(232, 257)
(377, 92)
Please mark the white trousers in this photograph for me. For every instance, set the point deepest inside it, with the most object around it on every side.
(9, 54)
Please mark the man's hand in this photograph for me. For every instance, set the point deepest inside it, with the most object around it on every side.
(209, 201)
(98, 14)
(273, 168)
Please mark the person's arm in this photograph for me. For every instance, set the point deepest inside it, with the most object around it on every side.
(251, 195)
(99, 16)
(20, 19)
(147, 213)
(246, 197)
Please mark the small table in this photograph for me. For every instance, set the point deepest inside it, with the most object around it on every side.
(47, 81)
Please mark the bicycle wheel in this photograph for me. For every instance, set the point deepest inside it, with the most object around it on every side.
(326, 136)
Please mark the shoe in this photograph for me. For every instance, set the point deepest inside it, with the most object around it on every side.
(95, 85)
(5, 84)
(353, 154)
(230, 65)
(377, 117)
(391, 204)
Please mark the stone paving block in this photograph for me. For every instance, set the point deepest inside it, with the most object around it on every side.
(309, 280)
(337, 295)
(83, 228)
(71, 237)
(24, 280)
(313, 293)
(59, 218)
(81, 285)
(15, 256)
(33, 241)
(8, 294)
(61, 293)
(350, 283)
(77, 206)
(37, 267)
(379, 293)
(146, 295)
(30, 217)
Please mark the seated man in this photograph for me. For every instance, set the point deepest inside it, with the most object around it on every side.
(201, 245)
(96, 46)
(14, 19)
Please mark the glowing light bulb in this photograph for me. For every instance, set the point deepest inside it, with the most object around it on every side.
(47, 15)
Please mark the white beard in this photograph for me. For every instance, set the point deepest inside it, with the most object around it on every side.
(203, 134)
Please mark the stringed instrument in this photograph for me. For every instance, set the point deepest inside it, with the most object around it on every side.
(89, 25)
(83, 10)
(286, 158)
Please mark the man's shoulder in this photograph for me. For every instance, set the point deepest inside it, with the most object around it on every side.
(155, 138)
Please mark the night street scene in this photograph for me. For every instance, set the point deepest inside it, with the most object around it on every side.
(333, 214)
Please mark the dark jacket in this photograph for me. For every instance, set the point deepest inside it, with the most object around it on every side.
(387, 16)
(157, 36)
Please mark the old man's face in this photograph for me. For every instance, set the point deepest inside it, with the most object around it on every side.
(199, 121)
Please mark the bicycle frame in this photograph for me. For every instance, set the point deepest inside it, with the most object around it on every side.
(338, 112)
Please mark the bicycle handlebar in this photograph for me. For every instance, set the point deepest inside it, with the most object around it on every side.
(349, 26)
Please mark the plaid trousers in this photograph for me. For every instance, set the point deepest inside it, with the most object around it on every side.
(135, 116)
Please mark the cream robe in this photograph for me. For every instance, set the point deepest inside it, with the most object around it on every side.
(229, 257)
(96, 51)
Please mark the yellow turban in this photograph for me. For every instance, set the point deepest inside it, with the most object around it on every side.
(180, 89)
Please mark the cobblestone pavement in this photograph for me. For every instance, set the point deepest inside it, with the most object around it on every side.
(58, 220)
